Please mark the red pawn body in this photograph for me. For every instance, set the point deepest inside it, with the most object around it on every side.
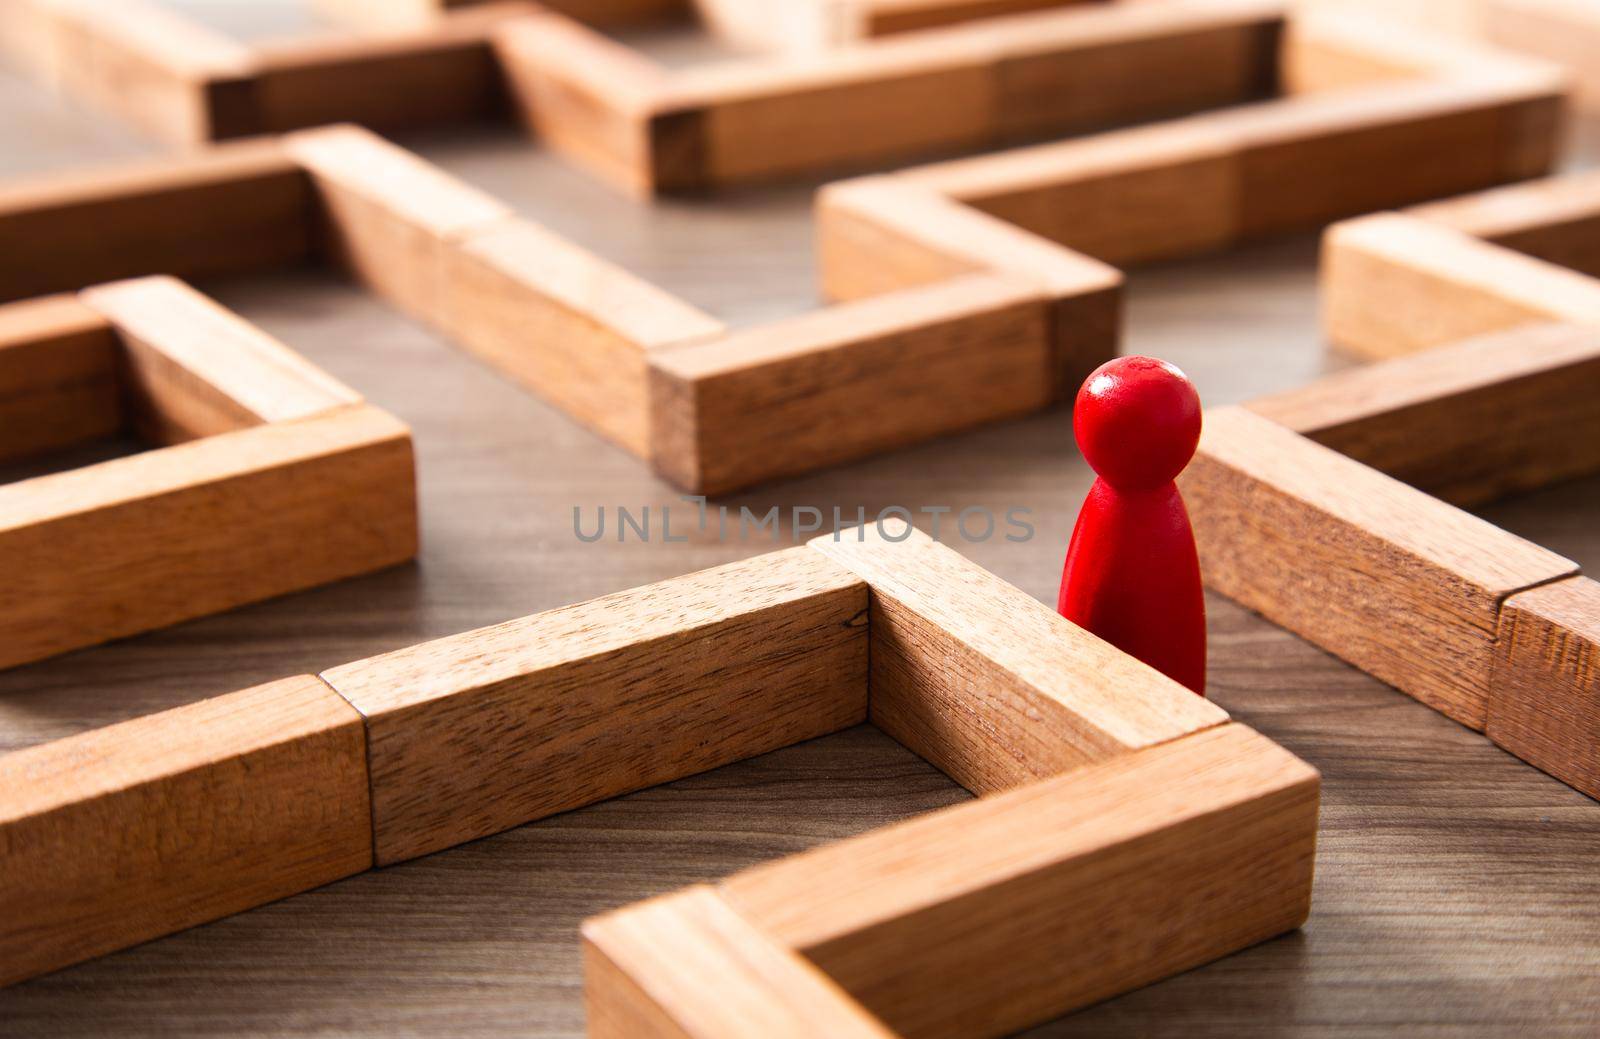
(1132, 575)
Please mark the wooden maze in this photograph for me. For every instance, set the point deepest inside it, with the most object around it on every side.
(1124, 829)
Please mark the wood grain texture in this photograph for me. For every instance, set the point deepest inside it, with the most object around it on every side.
(565, 323)
(244, 206)
(1438, 285)
(192, 369)
(593, 100)
(687, 966)
(479, 732)
(441, 74)
(141, 542)
(1555, 219)
(880, 234)
(988, 917)
(149, 64)
(133, 831)
(988, 684)
(971, 85)
(387, 216)
(1382, 575)
(1545, 700)
(847, 381)
(1471, 422)
(58, 376)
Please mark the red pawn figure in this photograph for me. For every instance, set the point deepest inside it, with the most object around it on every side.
(1132, 576)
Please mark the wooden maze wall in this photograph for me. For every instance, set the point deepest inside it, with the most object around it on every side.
(967, 291)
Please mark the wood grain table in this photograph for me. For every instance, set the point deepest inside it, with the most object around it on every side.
(1458, 890)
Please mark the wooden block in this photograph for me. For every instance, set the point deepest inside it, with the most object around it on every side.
(58, 377)
(192, 369)
(848, 381)
(1565, 31)
(887, 17)
(880, 234)
(130, 832)
(1556, 219)
(1305, 161)
(564, 323)
(443, 73)
(686, 965)
(1545, 701)
(479, 732)
(172, 77)
(982, 919)
(1125, 197)
(594, 100)
(151, 539)
(223, 210)
(1384, 576)
(987, 683)
(1470, 422)
(1436, 285)
(1332, 49)
(1102, 64)
(388, 216)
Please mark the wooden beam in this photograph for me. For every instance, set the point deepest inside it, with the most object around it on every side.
(1489, 416)
(879, 234)
(1390, 579)
(1437, 285)
(387, 215)
(647, 968)
(987, 683)
(847, 381)
(146, 63)
(479, 732)
(192, 369)
(1545, 700)
(991, 916)
(152, 539)
(1556, 219)
(58, 376)
(1565, 31)
(570, 326)
(130, 832)
(443, 73)
(230, 209)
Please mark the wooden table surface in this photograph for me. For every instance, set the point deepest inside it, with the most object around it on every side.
(1458, 890)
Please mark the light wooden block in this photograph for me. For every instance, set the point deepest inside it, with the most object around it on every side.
(479, 732)
(224, 210)
(58, 376)
(192, 369)
(1556, 219)
(442, 73)
(887, 17)
(1384, 576)
(847, 381)
(1129, 196)
(126, 833)
(982, 919)
(1318, 158)
(1393, 284)
(1470, 422)
(146, 63)
(155, 538)
(388, 216)
(648, 970)
(987, 683)
(881, 234)
(1545, 702)
(570, 326)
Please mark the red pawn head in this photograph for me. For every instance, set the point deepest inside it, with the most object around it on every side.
(1137, 421)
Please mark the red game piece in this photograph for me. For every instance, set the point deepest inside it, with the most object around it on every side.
(1132, 576)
